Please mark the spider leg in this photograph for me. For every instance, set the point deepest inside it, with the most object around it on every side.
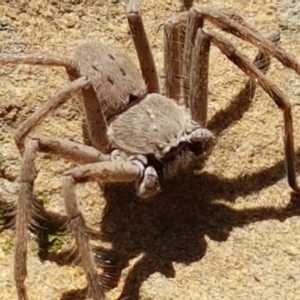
(148, 184)
(240, 29)
(173, 39)
(242, 100)
(263, 60)
(53, 103)
(198, 98)
(72, 151)
(142, 46)
(194, 22)
(102, 172)
(24, 217)
(66, 149)
(273, 91)
(36, 59)
(96, 126)
(27, 216)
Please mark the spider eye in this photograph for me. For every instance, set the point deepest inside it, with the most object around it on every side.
(167, 141)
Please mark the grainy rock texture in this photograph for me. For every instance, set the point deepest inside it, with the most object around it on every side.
(231, 232)
(288, 13)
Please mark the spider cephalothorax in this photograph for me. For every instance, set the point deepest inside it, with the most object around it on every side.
(162, 137)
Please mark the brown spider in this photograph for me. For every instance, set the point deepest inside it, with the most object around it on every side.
(136, 134)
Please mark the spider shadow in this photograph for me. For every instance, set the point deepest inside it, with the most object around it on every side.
(171, 226)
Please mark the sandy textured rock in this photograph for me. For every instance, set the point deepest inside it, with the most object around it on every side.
(231, 232)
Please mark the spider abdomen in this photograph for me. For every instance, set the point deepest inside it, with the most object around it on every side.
(113, 74)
